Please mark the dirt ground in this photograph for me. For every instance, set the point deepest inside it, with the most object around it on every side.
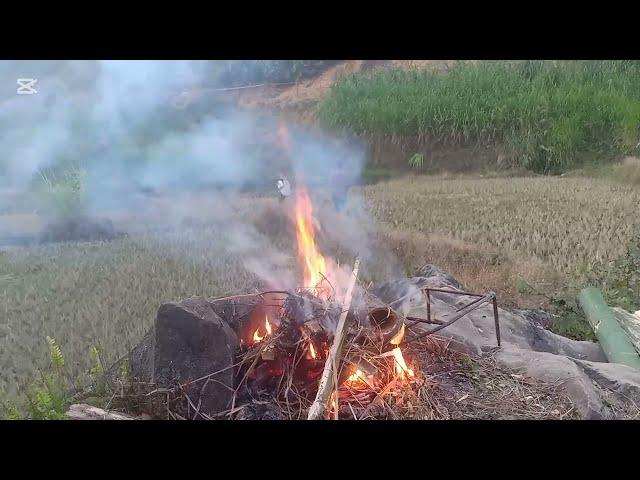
(461, 387)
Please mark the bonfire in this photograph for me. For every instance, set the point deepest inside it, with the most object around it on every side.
(325, 344)
(328, 348)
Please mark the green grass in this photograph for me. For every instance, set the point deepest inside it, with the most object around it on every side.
(371, 175)
(551, 115)
(573, 325)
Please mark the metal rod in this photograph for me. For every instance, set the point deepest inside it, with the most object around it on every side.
(422, 320)
(243, 87)
(496, 319)
(456, 292)
(469, 304)
(486, 298)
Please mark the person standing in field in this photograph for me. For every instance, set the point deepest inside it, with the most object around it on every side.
(284, 187)
(282, 145)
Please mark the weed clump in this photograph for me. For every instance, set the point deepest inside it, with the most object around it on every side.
(47, 396)
(620, 278)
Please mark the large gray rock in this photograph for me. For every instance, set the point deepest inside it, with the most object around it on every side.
(620, 379)
(598, 390)
(538, 317)
(188, 341)
(579, 366)
(557, 369)
(431, 273)
(191, 342)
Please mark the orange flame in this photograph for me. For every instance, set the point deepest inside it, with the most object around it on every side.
(256, 335)
(402, 371)
(356, 377)
(267, 325)
(312, 351)
(312, 261)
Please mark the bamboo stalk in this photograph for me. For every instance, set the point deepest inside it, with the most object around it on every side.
(329, 374)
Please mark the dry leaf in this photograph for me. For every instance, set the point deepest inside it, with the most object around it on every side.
(462, 398)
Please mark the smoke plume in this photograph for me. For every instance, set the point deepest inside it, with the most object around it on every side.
(154, 166)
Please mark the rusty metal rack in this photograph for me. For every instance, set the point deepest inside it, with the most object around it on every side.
(481, 299)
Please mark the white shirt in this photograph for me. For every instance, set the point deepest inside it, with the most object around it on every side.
(284, 187)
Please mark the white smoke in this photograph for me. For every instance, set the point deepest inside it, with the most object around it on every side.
(116, 120)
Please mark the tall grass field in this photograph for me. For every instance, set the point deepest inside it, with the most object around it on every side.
(548, 115)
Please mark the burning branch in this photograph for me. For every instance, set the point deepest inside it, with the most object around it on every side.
(329, 374)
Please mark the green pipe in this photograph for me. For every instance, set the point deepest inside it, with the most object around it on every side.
(614, 341)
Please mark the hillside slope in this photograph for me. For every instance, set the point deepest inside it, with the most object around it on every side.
(299, 101)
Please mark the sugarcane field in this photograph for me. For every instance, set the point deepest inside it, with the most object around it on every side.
(320, 240)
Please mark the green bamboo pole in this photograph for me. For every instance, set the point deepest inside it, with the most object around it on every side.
(614, 341)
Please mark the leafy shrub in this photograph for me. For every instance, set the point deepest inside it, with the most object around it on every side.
(96, 372)
(620, 279)
(416, 161)
(65, 193)
(47, 398)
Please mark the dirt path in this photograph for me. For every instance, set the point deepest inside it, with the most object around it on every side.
(299, 102)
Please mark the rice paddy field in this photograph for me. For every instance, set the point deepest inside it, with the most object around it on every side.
(570, 224)
(102, 295)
